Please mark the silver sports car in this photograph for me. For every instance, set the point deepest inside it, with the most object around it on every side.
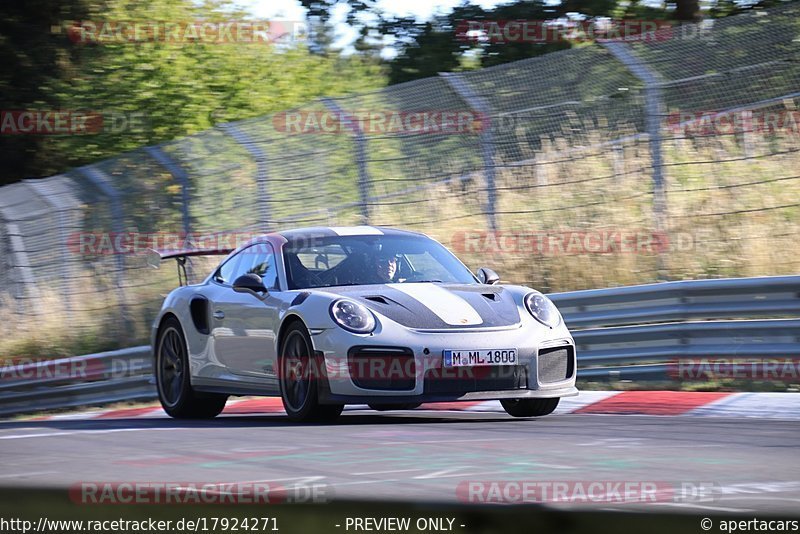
(324, 317)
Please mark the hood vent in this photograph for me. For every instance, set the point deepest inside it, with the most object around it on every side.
(490, 296)
(377, 298)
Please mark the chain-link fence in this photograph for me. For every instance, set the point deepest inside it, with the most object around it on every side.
(611, 163)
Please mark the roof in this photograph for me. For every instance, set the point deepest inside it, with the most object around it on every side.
(331, 231)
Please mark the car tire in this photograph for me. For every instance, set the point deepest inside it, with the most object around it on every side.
(529, 407)
(395, 406)
(173, 382)
(299, 379)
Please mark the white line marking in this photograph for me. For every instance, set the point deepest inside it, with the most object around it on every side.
(78, 432)
(297, 480)
(354, 483)
(29, 474)
(551, 466)
(456, 475)
(701, 507)
(749, 498)
(444, 473)
(446, 441)
(386, 472)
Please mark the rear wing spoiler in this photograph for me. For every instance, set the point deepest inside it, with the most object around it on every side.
(155, 257)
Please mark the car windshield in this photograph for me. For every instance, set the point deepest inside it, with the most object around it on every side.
(374, 259)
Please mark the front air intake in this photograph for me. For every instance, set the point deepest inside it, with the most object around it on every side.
(555, 364)
(382, 368)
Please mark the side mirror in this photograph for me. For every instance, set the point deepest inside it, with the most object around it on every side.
(249, 283)
(488, 276)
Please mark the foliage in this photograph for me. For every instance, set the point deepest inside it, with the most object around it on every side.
(149, 92)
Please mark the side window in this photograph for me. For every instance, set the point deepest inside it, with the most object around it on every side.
(259, 259)
(320, 259)
(225, 274)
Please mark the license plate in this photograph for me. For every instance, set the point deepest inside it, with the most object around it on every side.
(471, 358)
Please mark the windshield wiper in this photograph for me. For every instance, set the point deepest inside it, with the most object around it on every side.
(422, 281)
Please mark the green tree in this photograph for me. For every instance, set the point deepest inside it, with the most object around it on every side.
(169, 90)
(33, 61)
(424, 49)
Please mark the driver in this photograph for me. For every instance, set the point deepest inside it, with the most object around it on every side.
(384, 267)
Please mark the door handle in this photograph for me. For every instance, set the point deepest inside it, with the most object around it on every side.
(219, 315)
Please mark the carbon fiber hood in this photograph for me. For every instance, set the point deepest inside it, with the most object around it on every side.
(494, 305)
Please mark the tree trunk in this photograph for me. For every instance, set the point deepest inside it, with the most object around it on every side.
(687, 10)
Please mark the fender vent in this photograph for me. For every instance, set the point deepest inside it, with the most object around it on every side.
(299, 299)
(199, 310)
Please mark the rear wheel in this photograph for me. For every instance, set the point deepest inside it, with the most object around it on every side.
(395, 406)
(174, 386)
(529, 407)
(299, 379)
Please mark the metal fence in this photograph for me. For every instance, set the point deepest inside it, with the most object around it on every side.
(625, 333)
(596, 166)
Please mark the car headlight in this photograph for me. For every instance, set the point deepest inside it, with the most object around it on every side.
(543, 309)
(352, 316)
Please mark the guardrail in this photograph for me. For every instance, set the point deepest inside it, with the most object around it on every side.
(744, 298)
(95, 379)
(616, 328)
(624, 333)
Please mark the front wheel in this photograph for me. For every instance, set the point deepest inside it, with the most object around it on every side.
(529, 407)
(299, 378)
(175, 391)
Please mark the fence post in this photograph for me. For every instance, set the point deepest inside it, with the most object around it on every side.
(101, 181)
(260, 157)
(654, 111)
(179, 174)
(360, 147)
(23, 266)
(40, 188)
(479, 104)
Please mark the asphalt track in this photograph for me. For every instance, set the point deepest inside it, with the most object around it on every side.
(422, 455)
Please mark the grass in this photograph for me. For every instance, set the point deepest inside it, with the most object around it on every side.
(728, 213)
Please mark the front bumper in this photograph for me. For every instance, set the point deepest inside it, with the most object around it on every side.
(430, 381)
(326, 397)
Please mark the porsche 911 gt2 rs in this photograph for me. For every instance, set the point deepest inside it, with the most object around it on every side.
(325, 317)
